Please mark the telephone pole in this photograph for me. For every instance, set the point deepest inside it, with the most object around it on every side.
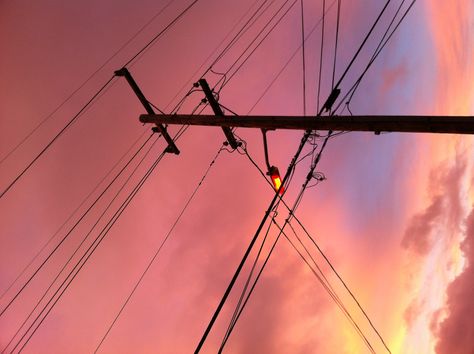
(376, 124)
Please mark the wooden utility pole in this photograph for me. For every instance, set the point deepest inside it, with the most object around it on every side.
(376, 124)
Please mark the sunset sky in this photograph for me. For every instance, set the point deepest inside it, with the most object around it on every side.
(395, 214)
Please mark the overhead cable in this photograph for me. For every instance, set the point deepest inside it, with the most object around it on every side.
(235, 314)
(133, 58)
(82, 261)
(303, 57)
(85, 82)
(84, 239)
(157, 252)
(321, 57)
(72, 120)
(336, 43)
(383, 42)
(70, 216)
(283, 68)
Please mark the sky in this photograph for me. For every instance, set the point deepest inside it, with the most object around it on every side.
(395, 214)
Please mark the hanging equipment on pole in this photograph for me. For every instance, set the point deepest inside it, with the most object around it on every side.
(272, 171)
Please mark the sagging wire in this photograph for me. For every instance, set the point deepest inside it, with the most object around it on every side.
(222, 81)
(228, 46)
(239, 306)
(157, 252)
(283, 68)
(249, 24)
(382, 43)
(79, 266)
(287, 221)
(292, 215)
(91, 249)
(85, 238)
(181, 102)
(85, 82)
(228, 109)
(64, 238)
(56, 233)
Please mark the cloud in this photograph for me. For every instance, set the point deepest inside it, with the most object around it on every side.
(413, 311)
(456, 333)
(418, 236)
(444, 207)
(451, 26)
(392, 76)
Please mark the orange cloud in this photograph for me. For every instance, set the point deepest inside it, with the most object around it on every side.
(451, 25)
(456, 332)
(444, 185)
(437, 234)
(391, 77)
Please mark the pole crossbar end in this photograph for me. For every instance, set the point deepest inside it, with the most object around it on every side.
(121, 72)
(172, 150)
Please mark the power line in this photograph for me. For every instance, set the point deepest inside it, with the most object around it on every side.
(249, 249)
(336, 42)
(272, 203)
(259, 33)
(70, 231)
(286, 177)
(77, 268)
(327, 286)
(78, 247)
(235, 315)
(362, 44)
(321, 56)
(224, 76)
(303, 57)
(71, 215)
(296, 204)
(312, 239)
(261, 41)
(293, 215)
(351, 92)
(73, 273)
(323, 279)
(73, 227)
(141, 51)
(283, 68)
(167, 236)
(85, 82)
(383, 42)
(232, 42)
(239, 34)
(159, 34)
(345, 72)
(343, 283)
(248, 24)
(30, 337)
(248, 296)
(330, 291)
(77, 115)
(56, 137)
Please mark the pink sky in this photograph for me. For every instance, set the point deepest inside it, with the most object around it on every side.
(395, 214)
